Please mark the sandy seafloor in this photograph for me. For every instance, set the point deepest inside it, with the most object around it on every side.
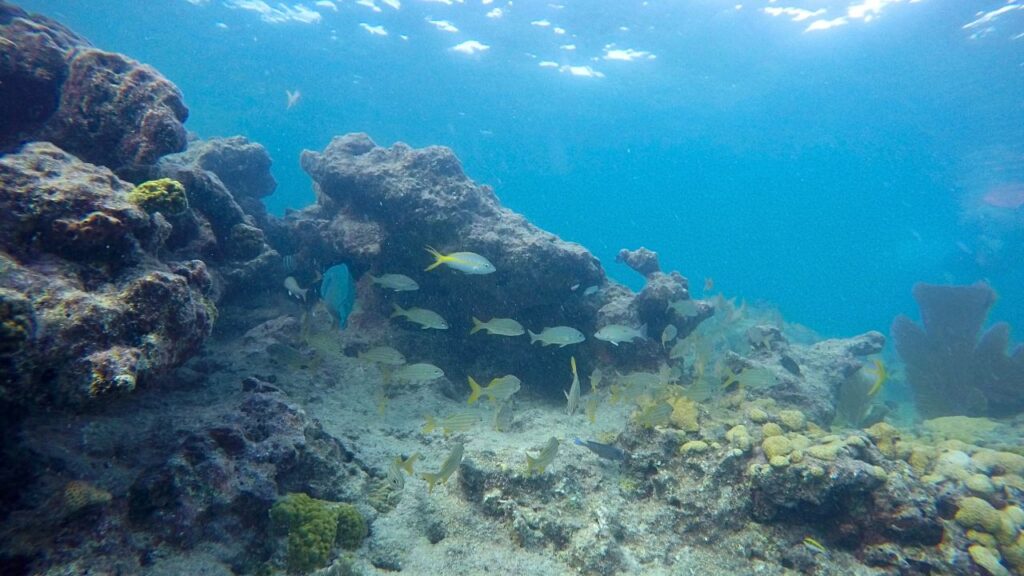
(344, 394)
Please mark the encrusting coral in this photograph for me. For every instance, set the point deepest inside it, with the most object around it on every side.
(313, 526)
(950, 368)
(164, 195)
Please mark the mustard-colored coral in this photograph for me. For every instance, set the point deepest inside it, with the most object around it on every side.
(684, 414)
(313, 526)
(164, 195)
(776, 446)
(977, 513)
(793, 419)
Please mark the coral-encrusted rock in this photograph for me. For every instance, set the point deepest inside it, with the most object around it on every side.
(224, 475)
(806, 377)
(93, 306)
(863, 504)
(379, 207)
(224, 179)
(103, 107)
(643, 260)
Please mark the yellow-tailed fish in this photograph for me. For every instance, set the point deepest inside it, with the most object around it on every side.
(641, 379)
(465, 262)
(615, 334)
(498, 390)
(561, 336)
(544, 459)
(383, 355)
(595, 379)
(591, 409)
(880, 375)
(498, 327)
(815, 545)
(678, 350)
(425, 318)
(419, 373)
(668, 334)
(396, 282)
(656, 414)
(573, 395)
(451, 464)
(407, 463)
(457, 422)
(394, 476)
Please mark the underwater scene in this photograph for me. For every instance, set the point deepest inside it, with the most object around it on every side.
(463, 287)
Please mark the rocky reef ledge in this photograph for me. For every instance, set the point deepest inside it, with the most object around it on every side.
(178, 396)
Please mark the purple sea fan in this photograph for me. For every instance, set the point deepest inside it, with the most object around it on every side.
(949, 367)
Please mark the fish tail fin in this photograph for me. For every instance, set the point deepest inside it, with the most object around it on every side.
(475, 388)
(643, 330)
(533, 337)
(531, 464)
(373, 279)
(429, 426)
(430, 479)
(408, 464)
(477, 325)
(438, 258)
(398, 310)
(572, 362)
(578, 442)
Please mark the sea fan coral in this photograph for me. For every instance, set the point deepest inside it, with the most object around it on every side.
(951, 370)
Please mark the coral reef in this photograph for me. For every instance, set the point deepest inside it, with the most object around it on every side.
(88, 307)
(164, 195)
(312, 527)
(219, 176)
(103, 107)
(951, 366)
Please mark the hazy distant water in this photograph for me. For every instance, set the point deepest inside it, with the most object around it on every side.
(823, 170)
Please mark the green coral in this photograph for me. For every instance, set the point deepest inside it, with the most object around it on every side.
(352, 529)
(313, 526)
(164, 195)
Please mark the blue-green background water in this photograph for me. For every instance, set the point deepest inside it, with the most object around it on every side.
(823, 171)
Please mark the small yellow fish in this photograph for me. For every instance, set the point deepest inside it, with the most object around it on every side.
(546, 456)
(419, 373)
(815, 545)
(425, 318)
(465, 262)
(450, 465)
(457, 422)
(396, 282)
(498, 390)
(751, 378)
(880, 375)
(573, 395)
(657, 414)
(498, 327)
(591, 408)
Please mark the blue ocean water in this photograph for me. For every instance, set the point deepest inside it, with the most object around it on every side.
(821, 156)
